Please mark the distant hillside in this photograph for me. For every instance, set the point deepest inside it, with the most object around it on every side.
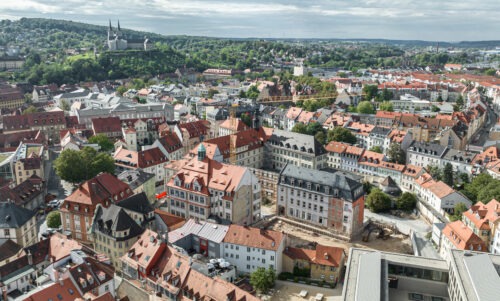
(72, 34)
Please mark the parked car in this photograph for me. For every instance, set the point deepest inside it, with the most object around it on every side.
(54, 204)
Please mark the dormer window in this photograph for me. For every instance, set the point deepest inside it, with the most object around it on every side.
(186, 185)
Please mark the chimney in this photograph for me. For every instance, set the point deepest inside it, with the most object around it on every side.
(61, 282)
(4, 292)
(30, 258)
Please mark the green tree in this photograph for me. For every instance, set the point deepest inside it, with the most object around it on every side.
(479, 183)
(395, 154)
(77, 166)
(376, 149)
(435, 108)
(262, 279)
(29, 110)
(121, 90)
(54, 219)
(448, 174)
(491, 191)
(407, 201)
(212, 92)
(253, 92)
(341, 134)
(457, 212)
(104, 142)
(247, 119)
(64, 105)
(386, 94)
(300, 128)
(321, 137)
(365, 107)
(370, 92)
(490, 72)
(377, 201)
(314, 127)
(460, 102)
(435, 172)
(386, 106)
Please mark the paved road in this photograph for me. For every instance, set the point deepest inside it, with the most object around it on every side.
(419, 227)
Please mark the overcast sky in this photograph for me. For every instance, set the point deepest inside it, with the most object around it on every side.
(445, 20)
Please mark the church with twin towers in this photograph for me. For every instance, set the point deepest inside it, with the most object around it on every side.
(118, 41)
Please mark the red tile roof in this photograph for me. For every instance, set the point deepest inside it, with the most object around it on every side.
(141, 159)
(463, 238)
(23, 122)
(323, 255)
(195, 128)
(482, 215)
(172, 221)
(106, 125)
(65, 292)
(104, 187)
(254, 237)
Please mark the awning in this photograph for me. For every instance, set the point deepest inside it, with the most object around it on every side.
(161, 195)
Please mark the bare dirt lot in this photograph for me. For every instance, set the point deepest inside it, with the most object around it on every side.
(289, 291)
(300, 237)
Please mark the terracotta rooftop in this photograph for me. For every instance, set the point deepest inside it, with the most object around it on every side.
(482, 215)
(323, 255)
(463, 238)
(254, 237)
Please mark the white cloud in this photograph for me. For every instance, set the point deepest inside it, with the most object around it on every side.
(410, 19)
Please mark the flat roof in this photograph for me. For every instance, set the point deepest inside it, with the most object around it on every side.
(478, 274)
(358, 265)
(369, 277)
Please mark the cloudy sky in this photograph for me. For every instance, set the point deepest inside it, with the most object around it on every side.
(445, 20)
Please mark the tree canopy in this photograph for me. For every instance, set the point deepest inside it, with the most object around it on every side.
(396, 154)
(54, 219)
(386, 106)
(407, 201)
(78, 166)
(482, 188)
(263, 279)
(103, 141)
(365, 107)
(378, 201)
(341, 134)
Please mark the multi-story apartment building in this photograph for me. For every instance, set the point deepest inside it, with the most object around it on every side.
(456, 235)
(113, 232)
(283, 147)
(203, 187)
(17, 224)
(157, 270)
(79, 207)
(425, 154)
(151, 161)
(139, 181)
(50, 123)
(483, 220)
(251, 248)
(30, 194)
(191, 133)
(11, 98)
(109, 126)
(247, 147)
(332, 200)
(473, 276)
(232, 126)
(170, 144)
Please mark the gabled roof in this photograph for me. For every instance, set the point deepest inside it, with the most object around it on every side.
(106, 125)
(137, 203)
(141, 159)
(8, 249)
(14, 216)
(323, 255)
(463, 238)
(195, 128)
(482, 215)
(254, 237)
(97, 190)
(112, 219)
(91, 274)
(55, 291)
(172, 221)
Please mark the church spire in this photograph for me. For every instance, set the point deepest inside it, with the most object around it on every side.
(110, 28)
(119, 25)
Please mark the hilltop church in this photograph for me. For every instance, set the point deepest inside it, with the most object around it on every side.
(118, 41)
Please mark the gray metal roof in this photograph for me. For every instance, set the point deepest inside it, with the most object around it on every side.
(349, 188)
(429, 149)
(297, 142)
(369, 277)
(479, 277)
(206, 230)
